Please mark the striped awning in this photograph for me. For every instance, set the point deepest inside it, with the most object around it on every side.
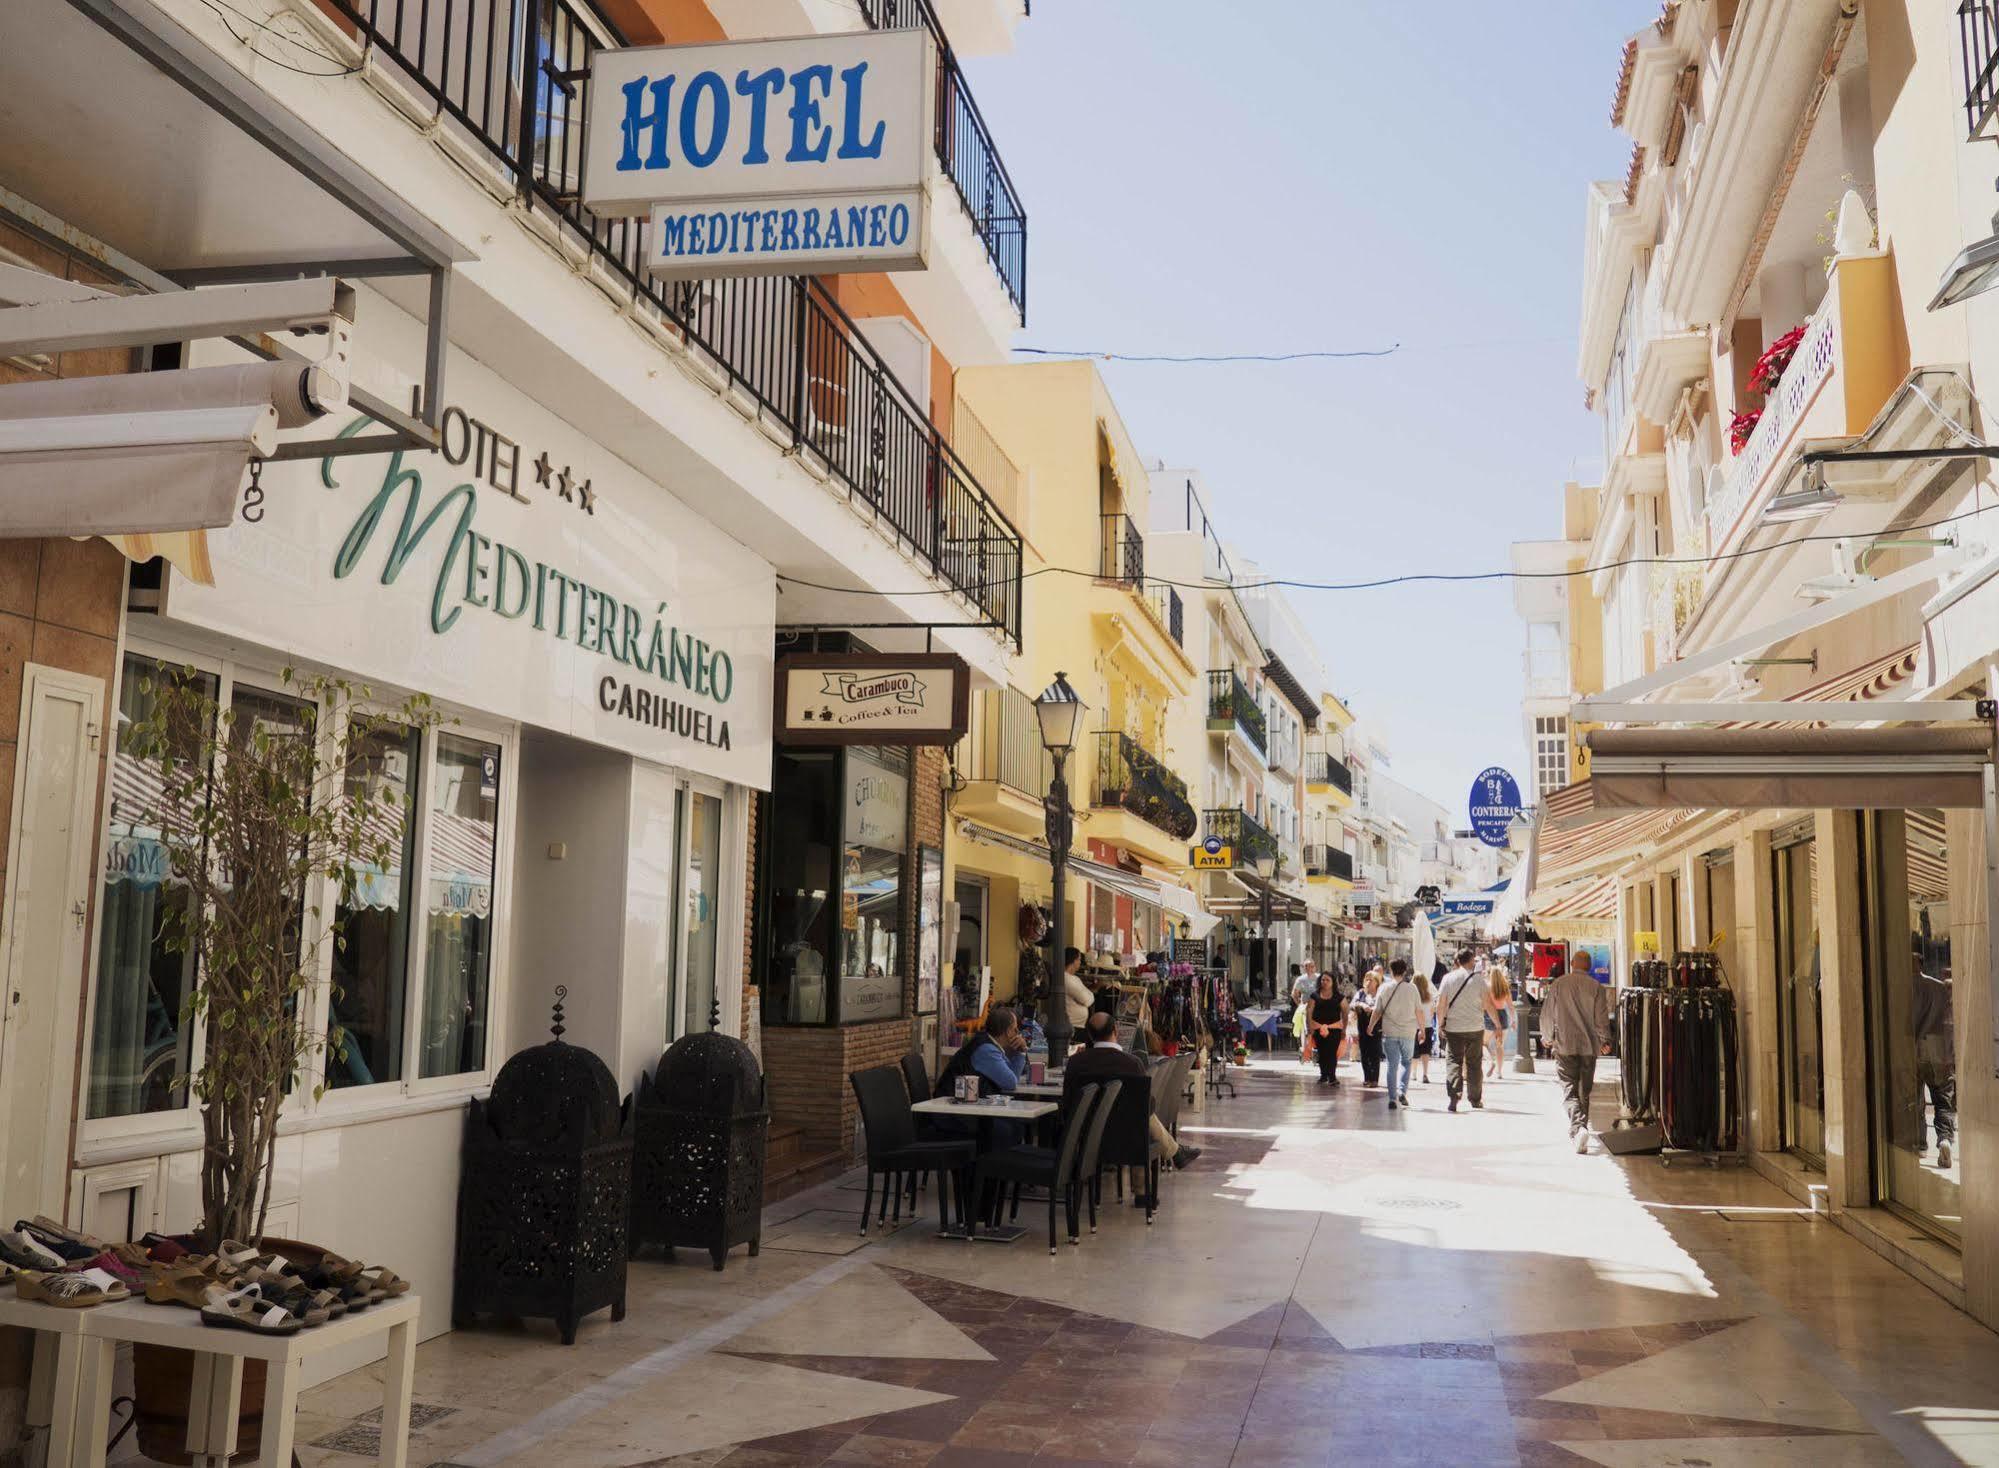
(1881, 679)
(1594, 898)
(1928, 856)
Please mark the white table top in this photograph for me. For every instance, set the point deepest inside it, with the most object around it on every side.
(995, 1107)
(176, 1325)
(1049, 1088)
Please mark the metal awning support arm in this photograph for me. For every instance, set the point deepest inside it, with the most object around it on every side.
(1720, 655)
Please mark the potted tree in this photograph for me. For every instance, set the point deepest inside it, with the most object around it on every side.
(271, 819)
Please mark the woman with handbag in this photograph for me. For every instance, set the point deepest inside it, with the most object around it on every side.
(1328, 1020)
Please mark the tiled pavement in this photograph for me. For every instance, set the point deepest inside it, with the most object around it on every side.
(1332, 1282)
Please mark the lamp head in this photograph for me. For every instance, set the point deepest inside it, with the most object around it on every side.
(1061, 714)
(1266, 866)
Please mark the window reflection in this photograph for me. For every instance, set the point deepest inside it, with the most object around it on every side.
(371, 958)
(458, 962)
(139, 1048)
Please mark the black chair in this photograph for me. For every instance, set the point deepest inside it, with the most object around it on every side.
(1127, 1140)
(894, 1150)
(916, 1076)
(1053, 1168)
(1093, 1145)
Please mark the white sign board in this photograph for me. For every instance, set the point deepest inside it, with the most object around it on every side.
(524, 571)
(843, 698)
(751, 157)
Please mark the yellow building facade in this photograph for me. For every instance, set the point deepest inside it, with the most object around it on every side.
(1096, 616)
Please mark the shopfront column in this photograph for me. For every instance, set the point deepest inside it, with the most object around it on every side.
(1977, 1087)
(1842, 997)
(1755, 982)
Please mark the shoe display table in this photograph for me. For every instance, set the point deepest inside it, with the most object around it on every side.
(70, 1391)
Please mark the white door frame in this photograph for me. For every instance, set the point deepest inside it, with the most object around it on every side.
(38, 680)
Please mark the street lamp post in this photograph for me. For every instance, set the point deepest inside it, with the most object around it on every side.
(1061, 713)
(1266, 871)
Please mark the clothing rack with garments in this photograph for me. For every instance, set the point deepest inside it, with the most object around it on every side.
(1677, 1034)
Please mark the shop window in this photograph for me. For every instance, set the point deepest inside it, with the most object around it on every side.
(1910, 976)
(458, 946)
(371, 953)
(1800, 1014)
(835, 842)
(140, 1048)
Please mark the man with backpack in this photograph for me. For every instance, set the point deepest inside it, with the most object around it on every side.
(1398, 1014)
(1463, 1001)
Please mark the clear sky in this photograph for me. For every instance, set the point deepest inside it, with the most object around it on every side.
(1292, 175)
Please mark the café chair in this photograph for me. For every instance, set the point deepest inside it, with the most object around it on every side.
(894, 1149)
(1052, 1168)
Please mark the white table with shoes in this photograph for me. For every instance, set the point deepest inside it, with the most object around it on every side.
(70, 1391)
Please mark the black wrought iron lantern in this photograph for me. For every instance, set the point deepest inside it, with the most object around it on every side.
(698, 1171)
(544, 1194)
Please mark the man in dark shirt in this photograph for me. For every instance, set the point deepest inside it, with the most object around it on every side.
(1103, 1059)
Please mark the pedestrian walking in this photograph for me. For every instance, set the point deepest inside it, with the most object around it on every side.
(1463, 1001)
(1575, 1021)
(1398, 1012)
(1426, 1033)
(1360, 1023)
(1328, 1020)
(1498, 1019)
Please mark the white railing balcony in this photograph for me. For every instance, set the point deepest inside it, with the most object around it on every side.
(1546, 671)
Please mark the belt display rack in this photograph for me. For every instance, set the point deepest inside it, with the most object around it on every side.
(1677, 1034)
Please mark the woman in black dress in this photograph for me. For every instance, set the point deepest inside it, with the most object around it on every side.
(1327, 1020)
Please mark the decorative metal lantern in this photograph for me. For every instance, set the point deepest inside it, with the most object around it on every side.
(698, 1170)
(544, 1192)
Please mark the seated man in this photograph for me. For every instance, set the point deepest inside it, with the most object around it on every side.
(997, 1055)
(1102, 1058)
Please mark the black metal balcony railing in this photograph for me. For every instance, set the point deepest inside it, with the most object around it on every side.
(1229, 700)
(1978, 28)
(1328, 861)
(966, 150)
(1239, 829)
(1176, 616)
(1130, 777)
(1121, 556)
(506, 71)
(1004, 744)
(1323, 768)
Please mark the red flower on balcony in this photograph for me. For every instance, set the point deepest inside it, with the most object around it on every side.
(1740, 427)
(1776, 357)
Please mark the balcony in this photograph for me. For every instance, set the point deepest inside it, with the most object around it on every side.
(1006, 769)
(1327, 773)
(1978, 30)
(1328, 865)
(778, 345)
(1121, 551)
(1243, 834)
(1842, 373)
(1546, 672)
(1131, 778)
(965, 149)
(1231, 707)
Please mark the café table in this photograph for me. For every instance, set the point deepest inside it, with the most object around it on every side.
(985, 1112)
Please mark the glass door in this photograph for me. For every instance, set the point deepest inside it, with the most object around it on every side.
(701, 882)
(1800, 1016)
(1913, 1075)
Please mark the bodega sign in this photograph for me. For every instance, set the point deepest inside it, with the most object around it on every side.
(764, 157)
(856, 698)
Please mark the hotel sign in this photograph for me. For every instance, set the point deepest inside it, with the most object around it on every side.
(868, 698)
(523, 571)
(809, 155)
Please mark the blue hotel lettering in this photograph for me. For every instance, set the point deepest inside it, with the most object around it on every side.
(783, 231)
(706, 108)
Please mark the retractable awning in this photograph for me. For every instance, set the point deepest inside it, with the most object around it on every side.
(1902, 768)
(1134, 887)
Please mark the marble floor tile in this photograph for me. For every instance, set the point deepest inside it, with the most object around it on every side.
(1529, 1305)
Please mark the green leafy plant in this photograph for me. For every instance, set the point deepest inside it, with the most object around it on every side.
(269, 817)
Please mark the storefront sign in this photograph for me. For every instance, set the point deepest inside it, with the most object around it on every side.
(758, 157)
(595, 604)
(861, 698)
(1495, 803)
(1476, 904)
(877, 808)
(1212, 855)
